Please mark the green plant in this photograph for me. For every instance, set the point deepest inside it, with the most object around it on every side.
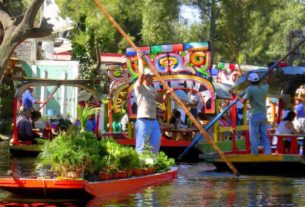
(128, 158)
(83, 113)
(71, 152)
(163, 163)
(147, 157)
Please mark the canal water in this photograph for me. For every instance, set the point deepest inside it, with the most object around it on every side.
(196, 185)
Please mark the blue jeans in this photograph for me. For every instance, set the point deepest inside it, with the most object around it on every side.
(147, 131)
(258, 126)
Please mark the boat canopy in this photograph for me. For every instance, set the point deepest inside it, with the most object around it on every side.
(285, 81)
(23, 83)
(222, 90)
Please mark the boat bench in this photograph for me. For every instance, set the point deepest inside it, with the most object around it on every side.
(294, 138)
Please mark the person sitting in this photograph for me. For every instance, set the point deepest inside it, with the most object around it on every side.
(25, 128)
(35, 116)
(286, 127)
(91, 123)
(193, 100)
(175, 122)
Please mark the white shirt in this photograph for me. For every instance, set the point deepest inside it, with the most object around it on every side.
(193, 99)
(146, 101)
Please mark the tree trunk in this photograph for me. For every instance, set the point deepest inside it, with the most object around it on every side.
(17, 30)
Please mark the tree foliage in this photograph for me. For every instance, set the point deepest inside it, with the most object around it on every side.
(240, 31)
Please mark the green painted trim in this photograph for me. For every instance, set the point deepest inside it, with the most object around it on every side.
(225, 146)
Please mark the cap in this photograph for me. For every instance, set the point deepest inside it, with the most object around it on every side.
(253, 77)
(147, 72)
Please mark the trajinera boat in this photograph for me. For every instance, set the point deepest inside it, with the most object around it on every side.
(186, 68)
(287, 85)
(82, 189)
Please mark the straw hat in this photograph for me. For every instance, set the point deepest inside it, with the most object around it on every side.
(83, 95)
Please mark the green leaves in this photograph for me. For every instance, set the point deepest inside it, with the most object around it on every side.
(83, 114)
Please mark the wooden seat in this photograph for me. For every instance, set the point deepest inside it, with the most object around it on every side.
(293, 143)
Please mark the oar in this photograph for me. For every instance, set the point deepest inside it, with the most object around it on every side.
(152, 68)
(216, 118)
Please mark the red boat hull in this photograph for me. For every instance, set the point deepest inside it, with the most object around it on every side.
(32, 187)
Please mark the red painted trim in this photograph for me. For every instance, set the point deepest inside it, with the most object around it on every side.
(98, 188)
(112, 55)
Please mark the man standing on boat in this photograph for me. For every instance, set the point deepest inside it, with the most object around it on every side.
(28, 100)
(256, 93)
(147, 126)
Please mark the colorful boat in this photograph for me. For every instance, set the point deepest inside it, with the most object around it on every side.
(82, 189)
(184, 67)
(287, 84)
(27, 148)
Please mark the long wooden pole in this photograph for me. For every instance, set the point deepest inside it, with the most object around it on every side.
(152, 68)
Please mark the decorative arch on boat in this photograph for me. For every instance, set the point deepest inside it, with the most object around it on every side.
(186, 58)
(179, 82)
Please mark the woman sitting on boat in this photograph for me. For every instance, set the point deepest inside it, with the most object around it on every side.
(286, 127)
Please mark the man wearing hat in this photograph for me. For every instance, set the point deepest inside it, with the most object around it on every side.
(28, 100)
(147, 126)
(24, 125)
(256, 93)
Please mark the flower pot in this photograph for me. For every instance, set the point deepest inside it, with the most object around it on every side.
(129, 172)
(72, 175)
(123, 174)
(137, 172)
(152, 170)
(146, 171)
(116, 175)
(104, 175)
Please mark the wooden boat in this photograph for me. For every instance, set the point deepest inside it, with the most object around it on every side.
(82, 189)
(282, 161)
(185, 67)
(27, 148)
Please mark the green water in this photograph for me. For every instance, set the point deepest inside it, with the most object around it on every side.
(195, 186)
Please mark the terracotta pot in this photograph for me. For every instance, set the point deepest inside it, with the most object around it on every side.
(123, 174)
(129, 172)
(152, 170)
(104, 175)
(116, 175)
(137, 172)
(146, 171)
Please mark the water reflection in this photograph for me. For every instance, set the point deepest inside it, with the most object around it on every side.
(193, 187)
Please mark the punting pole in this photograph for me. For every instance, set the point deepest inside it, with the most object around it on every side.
(152, 68)
(212, 122)
(50, 96)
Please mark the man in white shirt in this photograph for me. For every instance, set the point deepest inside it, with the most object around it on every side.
(147, 126)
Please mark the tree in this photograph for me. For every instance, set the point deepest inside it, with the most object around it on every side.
(94, 31)
(14, 30)
(157, 20)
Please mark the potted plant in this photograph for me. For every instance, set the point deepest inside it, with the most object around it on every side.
(148, 160)
(128, 160)
(70, 154)
(163, 163)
